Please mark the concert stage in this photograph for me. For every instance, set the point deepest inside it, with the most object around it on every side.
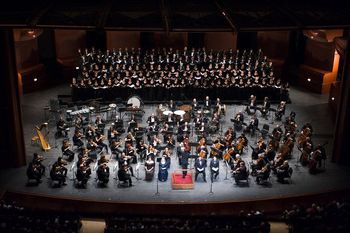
(308, 107)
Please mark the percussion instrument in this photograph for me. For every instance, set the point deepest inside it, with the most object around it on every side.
(179, 112)
(81, 111)
(185, 107)
(134, 101)
(167, 112)
(112, 105)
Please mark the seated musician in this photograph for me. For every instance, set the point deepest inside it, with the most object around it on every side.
(78, 121)
(200, 165)
(195, 105)
(166, 153)
(90, 132)
(35, 169)
(172, 105)
(319, 155)
(214, 168)
(240, 173)
(129, 139)
(66, 150)
(185, 129)
(207, 103)
(282, 171)
(59, 171)
(263, 173)
(281, 109)
(163, 170)
(152, 120)
(155, 142)
(198, 120)
(215, 123)
(216, 149)
(202, 131)
(265, 107)
(169, 141)
(103, 173)
(99, 122)
(83, 174)
(277, 133)
(258, 164)
(113, 133)
(238, 121)
(77, 139)
(132, 124)
(220, 108)
(93, 149)
(149, 168)
(123, 173)
(251, 107)
(170, 119)
(141, 148)
(236, 162)
(131, 153)
(99, 137)
(230, 135)
(62, 127)
(270, 152)
(253, 125)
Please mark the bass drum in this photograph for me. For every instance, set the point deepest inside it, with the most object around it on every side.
(134, 102)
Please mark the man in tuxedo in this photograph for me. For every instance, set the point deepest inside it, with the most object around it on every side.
(200, 166)
(214, 168)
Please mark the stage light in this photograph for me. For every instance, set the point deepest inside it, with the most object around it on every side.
(309, 79)
(77, 67)
(223, 13)
(35, 79)
(332, 98)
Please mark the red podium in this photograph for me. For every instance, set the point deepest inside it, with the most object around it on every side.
(178, 182)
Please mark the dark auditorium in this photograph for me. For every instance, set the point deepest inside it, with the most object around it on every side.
(152, 116)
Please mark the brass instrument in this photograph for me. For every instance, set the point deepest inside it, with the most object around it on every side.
(40, 137)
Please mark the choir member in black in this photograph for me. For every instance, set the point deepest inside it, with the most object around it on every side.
(149, 168)
(252, 126)
(200, 165)
(282, 171)
(59, 171)
(77, 139)
(281, 109)
(214, 168)
(251, 107)
(99, 141)
(66, 150)
(62, 127)
(35, 168)
(103, 172)
(124, 173)
(263, 174)
(240, 173)
(265, 107)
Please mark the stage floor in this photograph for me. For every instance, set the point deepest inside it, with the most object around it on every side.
(309, 107)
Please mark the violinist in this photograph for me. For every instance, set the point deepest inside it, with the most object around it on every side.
(130, 153)
(265, 107)
(113, 133)
(141, 148)
(152, 120)
(202, 145)
(263, 173)
(102, 160)
(83, 173)
(129, 139)
(282, 171)
(200, 165)
(99, 122)
(103, 173)
(277, 133)
(184, 129)
(99, 137)
(93, 148)
(258, 164)
(35, 169)
(124, 173)
(214, 168)
(270, 152)
(90, 132)
(77, 139)
(59, 171)
(240, 172)
(66, 151)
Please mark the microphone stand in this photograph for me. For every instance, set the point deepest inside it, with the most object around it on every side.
(211, 186)
(157, 192)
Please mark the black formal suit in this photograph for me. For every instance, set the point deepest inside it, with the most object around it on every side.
(214, 169)
(200, 166)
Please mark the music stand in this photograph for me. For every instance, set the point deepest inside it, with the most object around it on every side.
(137, 171)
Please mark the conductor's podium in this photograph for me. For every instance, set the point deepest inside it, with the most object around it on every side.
(178, 182)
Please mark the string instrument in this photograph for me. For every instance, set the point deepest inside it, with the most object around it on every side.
(240, 144)
(304, 134)
(286, 148)
(186, 143)
(45, 146)
(201, 143)
(215, 149)
(228, 154)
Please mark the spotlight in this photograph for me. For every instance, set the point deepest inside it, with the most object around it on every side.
(35, 79)
(223, 13)
(309, 79)
(77, 67)
(332, 98)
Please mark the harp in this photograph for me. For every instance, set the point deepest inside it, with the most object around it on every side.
(45, 146)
